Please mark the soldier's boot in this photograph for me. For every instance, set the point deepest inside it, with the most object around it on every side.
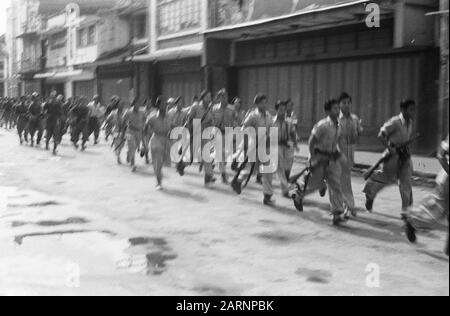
(225, 179)
(369, 203)
(268, 200)
(236, 185)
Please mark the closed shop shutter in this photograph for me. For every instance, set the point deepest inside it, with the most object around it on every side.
(116, 86)
(377, 85)
(186, 85)
(181, 78)
(84, 89)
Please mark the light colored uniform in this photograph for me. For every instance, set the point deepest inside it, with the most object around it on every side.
(197, 111)
(351, 129)
(177, 118)
(135, 122)
(291, 146)
(223, 117)
(286, 136)
(159, 127)
(398, 132)
(327, 134)
(115, 121)
(434, 211)
(256, 119)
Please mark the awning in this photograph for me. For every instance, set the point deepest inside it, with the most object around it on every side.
(54, 30)
(194, 50)
(76, 75)
(310, 18)
(120, 55)
(44, 75)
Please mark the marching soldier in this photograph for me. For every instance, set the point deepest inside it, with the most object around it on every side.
(286, 138)
(259, 117)
(434, 212)
(118, 129)
(325, 162)
(6, 119)
(53, 114)
(134, 121)
(109, 124)
(351, 130)
(159, 125)
(22, 120)
(79, 120)
(35, 120)
(96, 114)
(150, 109)
(201, 111)
(223, 116)
(395, 135)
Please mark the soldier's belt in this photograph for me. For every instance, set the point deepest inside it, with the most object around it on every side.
(335, 155)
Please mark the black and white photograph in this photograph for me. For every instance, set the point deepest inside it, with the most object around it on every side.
(229, 155)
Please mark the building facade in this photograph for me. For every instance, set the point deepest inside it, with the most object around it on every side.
(379, 51)
(174, 61)
(125, 33)
(313, 50)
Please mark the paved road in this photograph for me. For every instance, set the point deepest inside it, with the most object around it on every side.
(79, 224)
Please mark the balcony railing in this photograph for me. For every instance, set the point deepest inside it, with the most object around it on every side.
(30, 65)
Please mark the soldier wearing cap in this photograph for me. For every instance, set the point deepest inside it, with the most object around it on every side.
(325, 162)
(22, 119)
(393, 135)
(53, 113)
(134, 121)
(201, 111)
(35, 124)
(223, 117)
(259, 117)
(96, 115)
(159, 125)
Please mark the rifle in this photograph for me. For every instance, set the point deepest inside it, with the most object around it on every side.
(388, 155)
(312, 166)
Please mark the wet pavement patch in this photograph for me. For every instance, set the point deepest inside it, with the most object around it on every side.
(156, 262)
(278, 237)
(315, 276)
(210, 290)
(148, 255)
(19, 238)
(37, 204)
(141, 241)
(50, 223)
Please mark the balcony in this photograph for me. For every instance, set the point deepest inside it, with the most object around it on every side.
(30, 65)
(29, 29)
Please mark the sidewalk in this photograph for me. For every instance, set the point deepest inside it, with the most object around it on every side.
(423, 166)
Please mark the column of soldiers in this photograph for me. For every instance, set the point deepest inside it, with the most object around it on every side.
(145, 129)
(37, 119)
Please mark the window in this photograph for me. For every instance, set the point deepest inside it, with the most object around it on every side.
(58, 40)
(87, 36)
(91, 35)
(140, 26)
(178, 15)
